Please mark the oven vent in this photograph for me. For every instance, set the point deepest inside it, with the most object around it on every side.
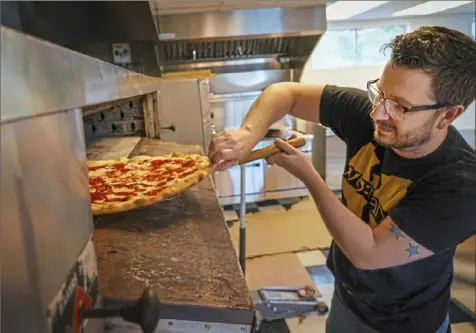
(178, 51)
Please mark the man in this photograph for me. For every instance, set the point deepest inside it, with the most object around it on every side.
(409, 185)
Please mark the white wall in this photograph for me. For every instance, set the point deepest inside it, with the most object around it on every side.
(358, 76)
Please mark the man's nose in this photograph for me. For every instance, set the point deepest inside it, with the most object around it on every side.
(379, 112)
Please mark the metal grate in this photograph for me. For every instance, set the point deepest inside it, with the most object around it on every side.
(172, 51)
(126, 118)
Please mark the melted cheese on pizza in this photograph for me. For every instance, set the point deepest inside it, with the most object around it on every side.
(123, 181)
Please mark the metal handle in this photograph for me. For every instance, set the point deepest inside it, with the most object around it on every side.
(170, 128)
(144, 312)
(243, 219)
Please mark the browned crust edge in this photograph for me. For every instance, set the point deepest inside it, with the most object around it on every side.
(179, 186)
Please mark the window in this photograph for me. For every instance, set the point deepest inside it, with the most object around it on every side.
(336, 48)
(354, 47)
(473, 28)
(369, 42)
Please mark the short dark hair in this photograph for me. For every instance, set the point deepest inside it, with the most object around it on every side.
(446, 54)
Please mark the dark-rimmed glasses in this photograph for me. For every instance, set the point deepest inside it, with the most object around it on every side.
(394, 109)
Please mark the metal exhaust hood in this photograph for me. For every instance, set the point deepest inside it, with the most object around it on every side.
(75, 23)
(239, 40)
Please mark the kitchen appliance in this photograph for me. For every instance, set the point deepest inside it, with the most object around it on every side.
(59, 108)
(248, 49)
(248, 45)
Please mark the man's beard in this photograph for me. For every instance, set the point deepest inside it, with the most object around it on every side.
(415, 138)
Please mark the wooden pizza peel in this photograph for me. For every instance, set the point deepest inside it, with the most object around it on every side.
(301, 304)
(253, 156)
(271, 150)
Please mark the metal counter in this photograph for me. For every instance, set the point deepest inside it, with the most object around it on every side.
(182, 248)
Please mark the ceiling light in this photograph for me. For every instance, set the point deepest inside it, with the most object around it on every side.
(342, 10)
(430, 7)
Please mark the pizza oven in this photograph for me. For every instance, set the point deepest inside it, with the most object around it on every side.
(70, 271)
(247, 46)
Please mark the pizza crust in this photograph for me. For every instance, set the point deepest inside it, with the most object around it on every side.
(173, 189)
(106, 162)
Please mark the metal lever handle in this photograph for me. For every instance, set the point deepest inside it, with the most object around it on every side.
(171, 128)
(144, 312)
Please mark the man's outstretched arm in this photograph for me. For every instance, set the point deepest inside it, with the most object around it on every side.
(297, 99)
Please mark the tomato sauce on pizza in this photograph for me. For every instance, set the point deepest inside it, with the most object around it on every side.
(127, 184)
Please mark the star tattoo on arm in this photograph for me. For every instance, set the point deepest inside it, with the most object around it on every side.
(393, 246)
(397, 232)
(412, 250)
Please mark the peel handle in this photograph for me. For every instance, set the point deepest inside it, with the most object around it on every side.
(271, 150)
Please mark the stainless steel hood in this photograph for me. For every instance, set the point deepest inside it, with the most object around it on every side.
(75, 23)
(239, 40)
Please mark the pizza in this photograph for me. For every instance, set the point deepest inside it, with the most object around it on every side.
(126, 184)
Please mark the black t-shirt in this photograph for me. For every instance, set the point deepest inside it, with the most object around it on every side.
(432, 199)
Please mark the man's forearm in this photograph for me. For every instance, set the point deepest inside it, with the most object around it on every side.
(354, 237)
(272, 105)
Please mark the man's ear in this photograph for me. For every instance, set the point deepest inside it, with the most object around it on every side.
(449, 115)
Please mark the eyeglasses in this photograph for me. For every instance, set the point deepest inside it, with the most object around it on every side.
(394, 109)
